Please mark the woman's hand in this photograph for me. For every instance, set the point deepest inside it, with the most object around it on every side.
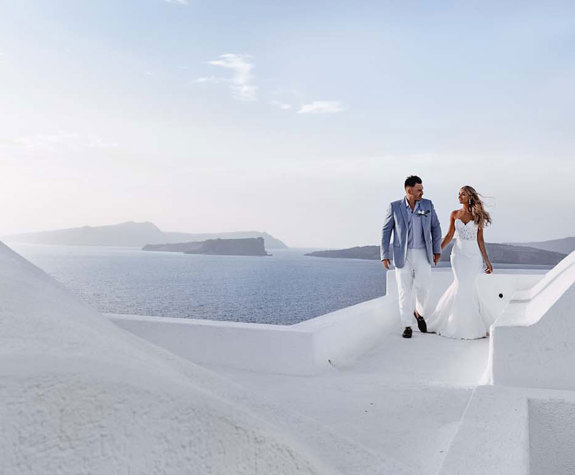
(488, 268)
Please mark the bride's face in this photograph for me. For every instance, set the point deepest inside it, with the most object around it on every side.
(463, 196)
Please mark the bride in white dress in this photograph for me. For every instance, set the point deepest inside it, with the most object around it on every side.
(459, 313)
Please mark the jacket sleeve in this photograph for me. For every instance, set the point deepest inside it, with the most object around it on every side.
(388, 226)
(435, 232)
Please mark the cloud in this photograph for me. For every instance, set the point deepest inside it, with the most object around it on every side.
(281, 105)
(242, 81)
(179, 2)
(321, 107)
(212, 79)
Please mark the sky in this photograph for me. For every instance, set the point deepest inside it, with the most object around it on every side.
(297, 118)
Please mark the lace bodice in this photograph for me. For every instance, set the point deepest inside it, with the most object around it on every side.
(466, 231)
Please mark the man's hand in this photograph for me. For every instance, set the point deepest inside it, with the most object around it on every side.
(436, 258)
(385, 263)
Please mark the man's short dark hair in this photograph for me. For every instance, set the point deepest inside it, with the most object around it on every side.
(412, 181)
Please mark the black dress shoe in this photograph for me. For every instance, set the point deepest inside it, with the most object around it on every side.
(407, 332)
(420, 322)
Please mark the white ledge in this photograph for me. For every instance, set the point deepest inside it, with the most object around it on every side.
(336, 339)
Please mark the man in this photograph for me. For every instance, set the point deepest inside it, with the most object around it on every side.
(416, 244)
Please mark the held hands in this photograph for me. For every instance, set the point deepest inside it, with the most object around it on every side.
(436, 258)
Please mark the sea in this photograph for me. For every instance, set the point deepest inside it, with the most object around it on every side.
(284, 288)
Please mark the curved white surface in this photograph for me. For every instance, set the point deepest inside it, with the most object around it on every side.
(80, 396)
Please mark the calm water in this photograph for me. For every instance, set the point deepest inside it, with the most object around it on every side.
(285, 288)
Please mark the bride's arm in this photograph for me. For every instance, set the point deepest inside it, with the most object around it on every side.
(481, 242)
(450, 233)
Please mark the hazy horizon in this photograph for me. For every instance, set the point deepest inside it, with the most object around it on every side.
(300, 119)
(326, 246)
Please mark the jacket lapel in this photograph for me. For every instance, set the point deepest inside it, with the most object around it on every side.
(424, 218)
(403, 212)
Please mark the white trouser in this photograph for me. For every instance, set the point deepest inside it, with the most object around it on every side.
(413, 281)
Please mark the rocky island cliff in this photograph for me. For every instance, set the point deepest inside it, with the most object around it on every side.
(220, 247)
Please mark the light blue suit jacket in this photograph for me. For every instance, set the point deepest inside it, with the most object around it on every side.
(396, 223)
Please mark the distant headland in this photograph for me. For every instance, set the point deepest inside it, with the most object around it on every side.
(564, 245)
(132, 234)
(498, 253)
(220, 247)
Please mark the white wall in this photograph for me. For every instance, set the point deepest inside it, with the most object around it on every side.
(307, 348)
(533, 343)
(271, 348)
(335, 339)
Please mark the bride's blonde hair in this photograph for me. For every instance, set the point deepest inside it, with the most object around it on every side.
(480, 216)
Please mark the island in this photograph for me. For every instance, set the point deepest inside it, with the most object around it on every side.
(219, 247)
(564, 245)
(498, 253)
(131, 234)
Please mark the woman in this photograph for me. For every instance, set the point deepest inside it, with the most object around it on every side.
(459, 313)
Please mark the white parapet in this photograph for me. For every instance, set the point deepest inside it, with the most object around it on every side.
(533, 342)
(335, 339)
(307, 348)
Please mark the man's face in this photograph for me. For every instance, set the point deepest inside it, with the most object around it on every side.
(414, 192)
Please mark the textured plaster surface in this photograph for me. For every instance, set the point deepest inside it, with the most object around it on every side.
(81, 396)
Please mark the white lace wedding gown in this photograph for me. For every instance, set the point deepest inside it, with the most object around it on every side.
(459, 313)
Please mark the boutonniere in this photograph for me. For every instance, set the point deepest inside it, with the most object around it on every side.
(422, 212)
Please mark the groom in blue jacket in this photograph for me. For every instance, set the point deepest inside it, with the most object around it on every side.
(416, 245)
